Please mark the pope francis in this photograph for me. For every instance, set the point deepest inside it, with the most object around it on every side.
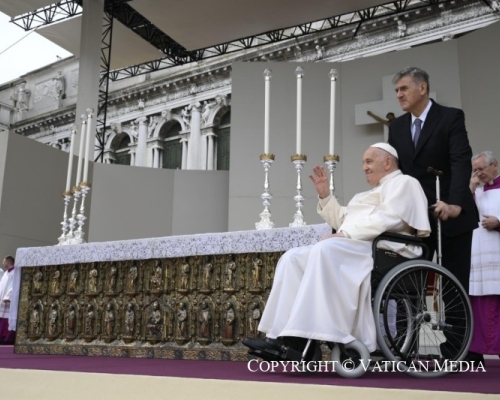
(323, 291)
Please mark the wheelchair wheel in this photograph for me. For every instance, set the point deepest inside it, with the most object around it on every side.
(423, 318)
(352, 361)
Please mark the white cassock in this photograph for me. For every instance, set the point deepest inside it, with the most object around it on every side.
(485, 260)
(6, 292)
(323, 291)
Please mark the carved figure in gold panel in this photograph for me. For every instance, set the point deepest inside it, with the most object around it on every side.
(71, 320)
(109, 320)
(112, 278)
(184, 280)
(156, 281)
(37, 282)
(89, 320)
(207, 275)
(35, 320)
(229, 275)
(53, 316)
(129, 320)
(256, 272)
(254, 319)
(73, 281)
(229, 317)
(93, 280)
(132, 277)
(181, 320)
(154, 321)
(56, 280)
(204, 319)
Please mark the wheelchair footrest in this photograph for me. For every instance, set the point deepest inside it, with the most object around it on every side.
(292, 354)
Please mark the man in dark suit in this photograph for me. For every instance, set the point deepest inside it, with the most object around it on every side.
(431, 135)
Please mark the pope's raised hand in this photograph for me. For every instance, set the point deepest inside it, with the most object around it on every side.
(320, 180)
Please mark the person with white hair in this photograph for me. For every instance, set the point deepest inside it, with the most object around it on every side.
(323, 291)
(484, 287)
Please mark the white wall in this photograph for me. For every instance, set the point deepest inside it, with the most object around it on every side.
(479, 61)
(463, 73)
(31, 207)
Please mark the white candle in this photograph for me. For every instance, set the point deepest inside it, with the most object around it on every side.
(299, 72)
(90, 114)
(70, 160)
(333, 80)
(267, 76)
(83, 132)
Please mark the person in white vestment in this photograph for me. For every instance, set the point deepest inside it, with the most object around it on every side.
(484, 287)
(6, 282)
(323, 291)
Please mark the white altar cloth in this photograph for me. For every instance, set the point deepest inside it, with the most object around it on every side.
(262, 241)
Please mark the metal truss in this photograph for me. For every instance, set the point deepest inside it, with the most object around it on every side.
(47, 15)
(102, 106)
(178, 55)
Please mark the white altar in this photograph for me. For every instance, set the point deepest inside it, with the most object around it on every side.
(216, 250)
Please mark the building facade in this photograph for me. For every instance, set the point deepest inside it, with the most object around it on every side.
(180, 118)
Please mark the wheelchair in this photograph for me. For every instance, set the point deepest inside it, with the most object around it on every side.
(422, 313)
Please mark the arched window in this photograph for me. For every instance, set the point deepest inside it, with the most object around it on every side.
(223, 132)
(172, 147)
(122, 151)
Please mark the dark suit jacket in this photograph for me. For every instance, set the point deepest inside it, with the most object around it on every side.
(443, 145)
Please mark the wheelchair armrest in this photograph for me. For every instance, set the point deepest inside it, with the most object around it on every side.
(399, 238)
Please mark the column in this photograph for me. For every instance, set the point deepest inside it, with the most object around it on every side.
(90, 65)
(160, 157)
(153, 157)
(203, 151)
(142, 136)
(132, 156)
(193, 156)
(184, 142)
(210, 165)
(157, 158)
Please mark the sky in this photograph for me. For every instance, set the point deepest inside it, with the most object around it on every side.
(32, 52)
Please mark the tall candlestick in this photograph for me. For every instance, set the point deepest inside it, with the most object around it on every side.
(299, 72)
(70, 161)
(267, 76)
(333, 80)
(83, 132)
(90, 114)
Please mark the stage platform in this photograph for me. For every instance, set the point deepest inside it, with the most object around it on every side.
(233, 376)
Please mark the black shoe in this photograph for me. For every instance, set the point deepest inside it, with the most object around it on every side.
(264, 344)
(474, 357)
(267, 349)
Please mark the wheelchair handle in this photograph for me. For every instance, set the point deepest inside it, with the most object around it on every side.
(435, 172)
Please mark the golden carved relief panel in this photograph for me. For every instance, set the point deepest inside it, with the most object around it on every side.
(198, 307)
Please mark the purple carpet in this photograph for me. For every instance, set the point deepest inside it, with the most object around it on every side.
(472, 382)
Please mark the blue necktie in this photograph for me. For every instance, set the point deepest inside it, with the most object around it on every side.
(418, 128)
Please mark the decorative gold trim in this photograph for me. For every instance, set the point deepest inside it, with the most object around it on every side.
(86, 184)
(76, 189)
(331, 157)
(266, 156)
(297, 157)
(70, 193)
